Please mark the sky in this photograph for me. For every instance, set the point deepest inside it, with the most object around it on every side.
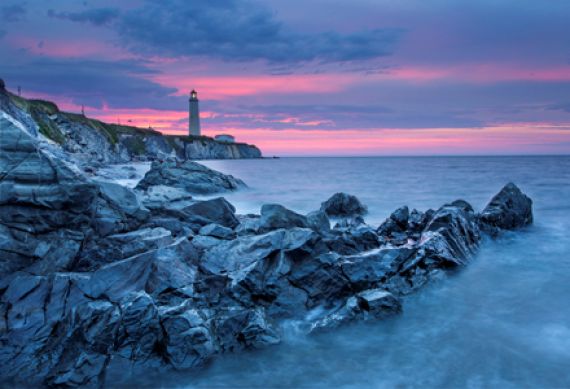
(310, 77)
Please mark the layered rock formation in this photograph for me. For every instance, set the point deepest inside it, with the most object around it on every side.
(99, 280)
(189, 176)
(91, 143)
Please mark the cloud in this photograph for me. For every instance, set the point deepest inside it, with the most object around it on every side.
(2, 33)
(12, 13)
(564, 107)
(231, 30)
(96, 16)
(335, 117)
(95, 83)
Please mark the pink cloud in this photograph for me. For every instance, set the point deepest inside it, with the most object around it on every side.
(220, 87)
(478, 73)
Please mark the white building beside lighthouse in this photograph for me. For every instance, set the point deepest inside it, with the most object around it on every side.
(194, 111)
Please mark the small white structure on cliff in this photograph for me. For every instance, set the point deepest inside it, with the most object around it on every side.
(194, 113)
(225, 138)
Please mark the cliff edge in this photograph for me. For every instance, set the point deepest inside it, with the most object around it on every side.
(90, 142)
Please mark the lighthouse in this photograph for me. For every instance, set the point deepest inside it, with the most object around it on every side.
(194, 111)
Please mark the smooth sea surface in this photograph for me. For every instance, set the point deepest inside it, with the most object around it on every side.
(501, 322)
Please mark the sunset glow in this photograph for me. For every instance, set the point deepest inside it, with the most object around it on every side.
(430, 86)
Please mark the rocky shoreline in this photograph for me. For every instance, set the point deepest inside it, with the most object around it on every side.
(96, 277)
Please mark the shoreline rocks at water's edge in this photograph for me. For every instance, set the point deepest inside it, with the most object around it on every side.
(97, 278)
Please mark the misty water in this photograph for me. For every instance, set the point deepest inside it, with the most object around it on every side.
(503, 321)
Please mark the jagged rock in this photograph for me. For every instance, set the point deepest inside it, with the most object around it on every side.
(157, 196)
(31, 177)
(366, 305)
(120, 246)
(235, 257)
(257, 266)
(342, 204)
(509, 209)
(156, 271)
(275, 216)
(237, 328)
(187, 339)
(370, 269)
(319, 222)
(190, 176)
(321, 278)
(188, 278)
(352, 240)
(124, 199)
(217, 231)
(217, 210)
(140, 330)
(248, 224)
(395, 229)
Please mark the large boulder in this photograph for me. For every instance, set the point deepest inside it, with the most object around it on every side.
(190, 176)
(343, 204)
(275, 216)
(509, 209)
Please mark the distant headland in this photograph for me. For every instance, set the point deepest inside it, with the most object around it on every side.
(93, 142)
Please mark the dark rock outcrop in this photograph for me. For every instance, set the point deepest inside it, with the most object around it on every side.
(275, 216)
(342, 204)
(370, 304)
(509, 209)
(189, 176)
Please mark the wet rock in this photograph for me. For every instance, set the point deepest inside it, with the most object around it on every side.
(140, 331)
(352, 240)
(275, 216)
(395, 229)
(201, 213)
(124, 199)
(157, 196)
(187, 339)
(189, 176)
(86, 344)
(217, 231)
(343, 204)
(257, 268)
(116, 247)
(321, 279)
(367, 305)
(237, 328)
(156, 271)
(319, 222)
(372, 268)
(509, 209)
(248, 224)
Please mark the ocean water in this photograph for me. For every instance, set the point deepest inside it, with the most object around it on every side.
(501, 322)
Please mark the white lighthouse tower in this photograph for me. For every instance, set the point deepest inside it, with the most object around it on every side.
(194, 120)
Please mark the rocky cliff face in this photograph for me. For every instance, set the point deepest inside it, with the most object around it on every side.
(92, 143)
